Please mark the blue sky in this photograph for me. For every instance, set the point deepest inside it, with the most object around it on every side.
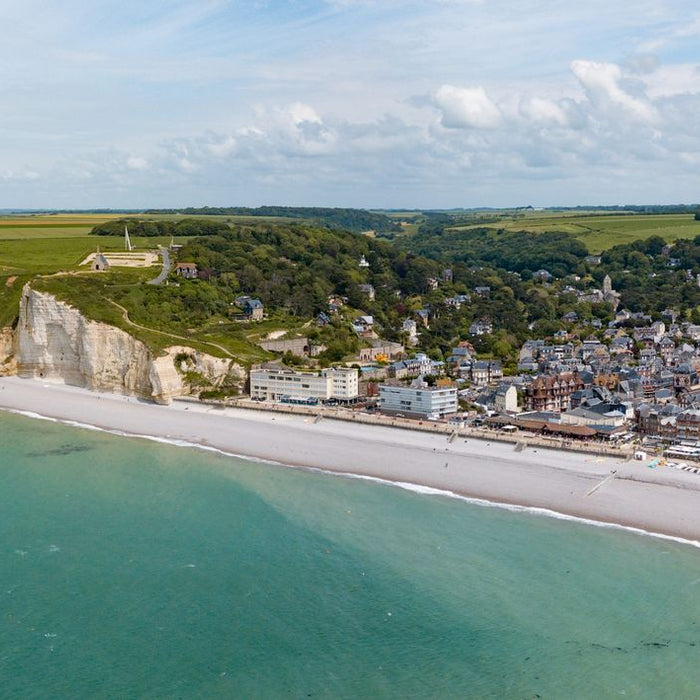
(368, 103)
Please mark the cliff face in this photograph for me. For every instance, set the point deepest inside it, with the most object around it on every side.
(8, 364)
(182, 371)
(56, 342)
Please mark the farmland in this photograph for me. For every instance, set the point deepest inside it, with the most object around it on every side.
(50, 225)
(602, 231)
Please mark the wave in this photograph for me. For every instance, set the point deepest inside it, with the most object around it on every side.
(405, 485)
(531, 510)
(173, 442)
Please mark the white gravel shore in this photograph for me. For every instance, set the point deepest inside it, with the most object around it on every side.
(660, 500)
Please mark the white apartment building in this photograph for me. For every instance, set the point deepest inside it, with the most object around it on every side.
(422, 401)
(339, 383)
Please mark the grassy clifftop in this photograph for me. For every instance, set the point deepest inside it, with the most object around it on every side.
(158, 316)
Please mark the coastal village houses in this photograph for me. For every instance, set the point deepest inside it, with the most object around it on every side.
(552, 393)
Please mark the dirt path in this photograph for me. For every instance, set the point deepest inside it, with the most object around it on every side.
(125, 315)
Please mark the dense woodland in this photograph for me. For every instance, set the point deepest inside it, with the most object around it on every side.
(652, 278)
(648, 275)
(517, 251)
(296, 268)
(151, 228)
(357, 220)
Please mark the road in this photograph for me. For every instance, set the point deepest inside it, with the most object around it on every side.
(165, 254)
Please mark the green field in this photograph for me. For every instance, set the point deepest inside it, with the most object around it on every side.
(47, 255)
(43, 244)
(32, 227)
(600, 232)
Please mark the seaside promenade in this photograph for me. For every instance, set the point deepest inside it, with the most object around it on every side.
(517, 437)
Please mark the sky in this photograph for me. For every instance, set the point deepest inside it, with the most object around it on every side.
(359, 103)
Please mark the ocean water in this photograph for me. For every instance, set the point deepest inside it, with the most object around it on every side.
(132, 569)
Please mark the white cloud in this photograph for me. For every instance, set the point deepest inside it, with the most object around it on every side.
(544, 111)
(186, 165)
(670, 80)
(687, 28)
(296, 129)
(464, 108)
(137, 163)
(221, 146)
(602, 83)
(300, 113)
(22, 176)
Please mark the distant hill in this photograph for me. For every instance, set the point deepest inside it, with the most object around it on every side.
(356, 220)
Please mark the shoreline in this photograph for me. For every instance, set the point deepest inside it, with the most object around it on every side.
(658, 502)
(528, 438)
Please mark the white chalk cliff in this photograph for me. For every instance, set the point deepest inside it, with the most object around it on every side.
(8, 364)
(55, 342)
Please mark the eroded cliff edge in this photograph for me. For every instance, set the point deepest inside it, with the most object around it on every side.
(8, 361)
(55, 342)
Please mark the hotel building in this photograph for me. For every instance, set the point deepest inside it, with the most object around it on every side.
(335, 383)
(418, 401)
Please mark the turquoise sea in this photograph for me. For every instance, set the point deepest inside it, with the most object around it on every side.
(133, 569)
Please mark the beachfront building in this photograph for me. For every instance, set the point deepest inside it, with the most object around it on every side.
(281, 384)
(418, 400)
(552, 393)
(597, 415)
(502, 399)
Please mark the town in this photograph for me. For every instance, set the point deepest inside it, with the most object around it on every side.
(636, 380)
